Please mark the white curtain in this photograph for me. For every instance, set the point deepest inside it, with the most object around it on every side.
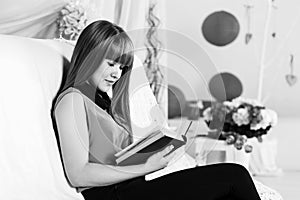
(37, 18)
(30, 18)
(131, 15)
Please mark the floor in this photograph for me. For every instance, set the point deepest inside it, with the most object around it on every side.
(287, 184)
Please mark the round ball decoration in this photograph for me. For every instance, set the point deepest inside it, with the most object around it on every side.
(176, 102)
(220, 28)
(225, 86)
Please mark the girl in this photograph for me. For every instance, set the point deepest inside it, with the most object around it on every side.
(92, 127)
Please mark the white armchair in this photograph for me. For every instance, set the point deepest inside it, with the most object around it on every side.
(30, 75)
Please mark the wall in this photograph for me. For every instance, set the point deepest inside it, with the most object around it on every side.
(288, 136)
(185, 18)
(193, 66)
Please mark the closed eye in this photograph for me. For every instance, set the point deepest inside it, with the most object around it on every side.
(111, 64)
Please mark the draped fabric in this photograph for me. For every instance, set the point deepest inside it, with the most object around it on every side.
(38, 18)
(30, 18)
(131, 15)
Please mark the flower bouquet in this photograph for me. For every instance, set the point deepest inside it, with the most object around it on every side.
(71, 21)
(237, 120)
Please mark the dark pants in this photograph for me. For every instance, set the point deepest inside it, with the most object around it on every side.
(211, 182)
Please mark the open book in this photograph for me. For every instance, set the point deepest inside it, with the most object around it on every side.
(139, 151)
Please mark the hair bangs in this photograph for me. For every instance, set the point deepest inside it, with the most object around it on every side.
(121, 50)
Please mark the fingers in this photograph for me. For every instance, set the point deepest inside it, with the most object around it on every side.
(167, 150)
(170, 156)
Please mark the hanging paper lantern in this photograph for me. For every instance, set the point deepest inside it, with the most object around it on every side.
(176, 102)
(220, 28)
(225, 86)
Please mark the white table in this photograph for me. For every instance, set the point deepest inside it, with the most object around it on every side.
(210, 151)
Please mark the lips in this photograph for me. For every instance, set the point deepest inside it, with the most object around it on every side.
(110, 81)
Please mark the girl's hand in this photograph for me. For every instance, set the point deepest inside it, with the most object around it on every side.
(159, 160)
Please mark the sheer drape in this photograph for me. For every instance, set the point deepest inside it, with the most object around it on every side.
(131, 15)
(30, 18)
(37, 18)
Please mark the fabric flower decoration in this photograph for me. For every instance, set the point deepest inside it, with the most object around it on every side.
(72, 21)
(241, 117)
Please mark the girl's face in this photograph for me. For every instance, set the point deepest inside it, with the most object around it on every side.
(106, 75)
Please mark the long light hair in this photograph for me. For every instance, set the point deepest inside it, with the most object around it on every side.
(98, 41)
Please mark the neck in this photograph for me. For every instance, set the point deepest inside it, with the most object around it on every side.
(99, 97)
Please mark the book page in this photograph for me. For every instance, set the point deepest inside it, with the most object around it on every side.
(140, 146)
(137, 143)
(181, 161)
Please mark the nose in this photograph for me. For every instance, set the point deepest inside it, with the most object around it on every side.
(116, 72)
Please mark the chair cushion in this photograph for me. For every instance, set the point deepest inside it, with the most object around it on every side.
(30, 75)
